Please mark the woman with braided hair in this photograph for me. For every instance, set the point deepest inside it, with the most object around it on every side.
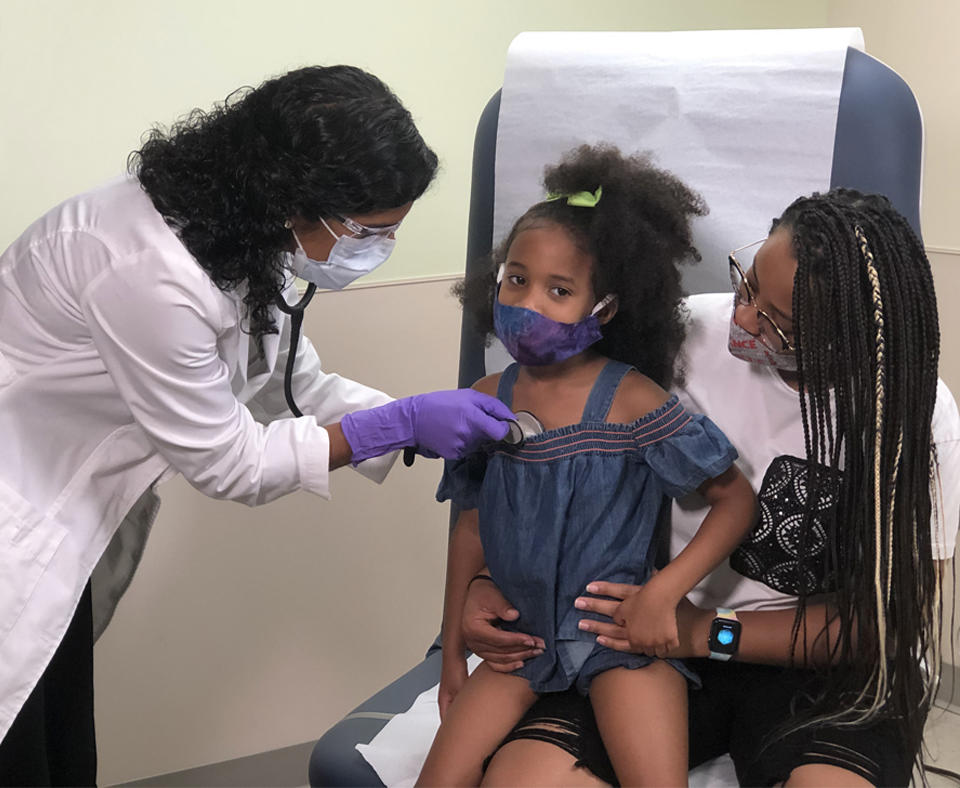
(818, 645)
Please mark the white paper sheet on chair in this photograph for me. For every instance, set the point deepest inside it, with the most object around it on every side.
(745, 117)
(398, 751)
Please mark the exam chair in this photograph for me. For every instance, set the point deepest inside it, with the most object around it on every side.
(878, 147)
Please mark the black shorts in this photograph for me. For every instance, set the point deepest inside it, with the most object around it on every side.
(740, 710)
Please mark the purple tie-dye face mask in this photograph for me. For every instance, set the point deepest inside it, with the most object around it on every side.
(535, 340)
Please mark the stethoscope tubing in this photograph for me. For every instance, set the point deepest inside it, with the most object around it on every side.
(296, 324)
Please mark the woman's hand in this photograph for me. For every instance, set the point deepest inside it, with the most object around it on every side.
(693, 623)
(503, 651)
(453, 674)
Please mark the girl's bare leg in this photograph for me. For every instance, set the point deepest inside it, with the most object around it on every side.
(482, 713)
(642, 717)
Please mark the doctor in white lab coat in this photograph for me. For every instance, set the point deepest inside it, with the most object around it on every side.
(145, 328)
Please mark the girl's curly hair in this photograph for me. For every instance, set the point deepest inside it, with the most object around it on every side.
(311, 143)
(637, 234)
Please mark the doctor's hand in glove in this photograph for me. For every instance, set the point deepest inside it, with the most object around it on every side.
(448, 424)
(485, 607)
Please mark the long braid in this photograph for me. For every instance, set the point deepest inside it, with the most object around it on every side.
(866, 400)
(883, 521)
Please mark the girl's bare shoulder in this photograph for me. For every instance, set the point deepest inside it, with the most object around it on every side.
(636, 396)
(488, 384)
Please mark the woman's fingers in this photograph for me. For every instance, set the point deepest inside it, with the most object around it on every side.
(604, 628)
(617, 644)
(604, 607)
(618, 590)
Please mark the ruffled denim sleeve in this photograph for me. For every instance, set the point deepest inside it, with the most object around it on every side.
(684, 449)
(462, 480)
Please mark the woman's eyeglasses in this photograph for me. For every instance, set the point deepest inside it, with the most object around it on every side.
(746, 297)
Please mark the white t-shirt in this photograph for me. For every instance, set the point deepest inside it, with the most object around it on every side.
(760, 414)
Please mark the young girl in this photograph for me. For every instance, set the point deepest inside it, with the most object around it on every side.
(585, 292)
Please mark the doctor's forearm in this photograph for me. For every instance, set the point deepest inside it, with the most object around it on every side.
(340, 451)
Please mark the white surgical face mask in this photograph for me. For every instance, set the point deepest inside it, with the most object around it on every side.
(747, 347)
(349, 259)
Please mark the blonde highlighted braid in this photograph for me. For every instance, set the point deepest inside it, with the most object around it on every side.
(868, 342)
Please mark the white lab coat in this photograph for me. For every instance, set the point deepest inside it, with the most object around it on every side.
(122, 363)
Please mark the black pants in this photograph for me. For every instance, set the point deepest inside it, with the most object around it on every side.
(52, 739)
(739, 710)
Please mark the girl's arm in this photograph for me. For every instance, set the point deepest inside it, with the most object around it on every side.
(732, 513)
(464, 560)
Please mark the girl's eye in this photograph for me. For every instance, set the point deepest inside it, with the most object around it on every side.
(560, 291)
(516, 279)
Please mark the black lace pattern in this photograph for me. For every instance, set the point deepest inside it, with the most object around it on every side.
(777, 552)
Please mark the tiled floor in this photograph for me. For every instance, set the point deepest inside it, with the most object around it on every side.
(943, 744)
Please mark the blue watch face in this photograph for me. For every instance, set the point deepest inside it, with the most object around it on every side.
(724, 636)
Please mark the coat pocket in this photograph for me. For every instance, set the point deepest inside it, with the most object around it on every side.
(27, 544)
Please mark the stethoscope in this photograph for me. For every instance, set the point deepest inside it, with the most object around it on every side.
(296, 323)
(524, 426)
(520, 429)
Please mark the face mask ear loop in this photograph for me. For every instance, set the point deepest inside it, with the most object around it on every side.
(335, 236)
(608, 299)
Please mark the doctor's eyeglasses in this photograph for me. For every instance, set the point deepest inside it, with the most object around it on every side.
(747, 297)
(362, 231)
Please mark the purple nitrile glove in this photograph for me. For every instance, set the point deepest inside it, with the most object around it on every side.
(449, 424)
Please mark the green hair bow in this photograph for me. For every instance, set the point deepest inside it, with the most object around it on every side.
(578, 199)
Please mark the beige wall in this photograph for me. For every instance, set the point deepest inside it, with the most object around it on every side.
(87, 78)
(250, 629)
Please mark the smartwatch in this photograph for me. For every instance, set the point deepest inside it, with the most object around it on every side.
(724, 635)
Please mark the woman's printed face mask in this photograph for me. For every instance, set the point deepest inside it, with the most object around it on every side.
(747, 347)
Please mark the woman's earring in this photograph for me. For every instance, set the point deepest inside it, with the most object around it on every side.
(288, 224)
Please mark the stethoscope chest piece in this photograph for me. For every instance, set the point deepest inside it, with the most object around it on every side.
(525, 426)
(520, 429)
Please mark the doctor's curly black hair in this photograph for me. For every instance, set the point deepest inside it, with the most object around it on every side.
(311, 143)
(637, 234)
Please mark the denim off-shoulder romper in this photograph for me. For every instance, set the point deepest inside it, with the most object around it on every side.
(577, 504)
